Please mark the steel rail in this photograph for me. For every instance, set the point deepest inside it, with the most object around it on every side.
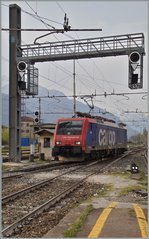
(145, 158)
(12, 176)
(41, 167)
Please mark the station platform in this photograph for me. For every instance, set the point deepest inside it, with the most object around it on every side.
(108, 219)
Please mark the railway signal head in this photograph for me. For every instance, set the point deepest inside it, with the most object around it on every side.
(37, 116)
(134, 57)
(22, 66)
(135, 70)
(36, 113)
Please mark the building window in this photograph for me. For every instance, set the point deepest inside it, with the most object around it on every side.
(46, 142)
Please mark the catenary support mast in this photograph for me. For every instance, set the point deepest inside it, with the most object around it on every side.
(14, 94)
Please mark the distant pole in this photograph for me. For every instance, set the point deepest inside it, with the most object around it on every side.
(39, 112)
(74, 89)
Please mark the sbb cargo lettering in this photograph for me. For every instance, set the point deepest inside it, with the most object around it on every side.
(106, 137)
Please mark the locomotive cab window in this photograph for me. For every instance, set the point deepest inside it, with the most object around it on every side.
(70, 128)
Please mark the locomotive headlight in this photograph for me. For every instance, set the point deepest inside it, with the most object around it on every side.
(78, 142)
(58, 142)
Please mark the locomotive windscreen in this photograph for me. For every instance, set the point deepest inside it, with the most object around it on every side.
(70, 127)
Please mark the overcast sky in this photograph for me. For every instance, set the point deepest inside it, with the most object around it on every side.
(109, 74)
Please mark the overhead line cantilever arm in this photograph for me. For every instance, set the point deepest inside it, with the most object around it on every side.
(54, 31)
(45, 30)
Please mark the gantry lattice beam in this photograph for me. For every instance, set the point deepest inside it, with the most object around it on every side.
(84, 48)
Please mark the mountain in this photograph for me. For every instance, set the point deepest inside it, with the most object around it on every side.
(54, 104)
(57, 105)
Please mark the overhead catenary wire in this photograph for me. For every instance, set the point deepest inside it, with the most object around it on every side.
(46, 24)
(37, 17)
(91, 95)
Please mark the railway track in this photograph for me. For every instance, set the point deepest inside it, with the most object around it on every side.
(36, 186)
(55, 165)
(58, 196)
(14, 182)
(34, 169)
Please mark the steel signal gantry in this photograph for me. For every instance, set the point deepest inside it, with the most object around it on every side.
(84, 48)
(129, 44)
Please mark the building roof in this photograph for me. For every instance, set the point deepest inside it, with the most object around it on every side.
(26, 119)
(48, 126)
(42, 131)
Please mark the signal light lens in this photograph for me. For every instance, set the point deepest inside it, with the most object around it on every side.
(22, 66)
(134, 57)
(36, 120)
(36, 113)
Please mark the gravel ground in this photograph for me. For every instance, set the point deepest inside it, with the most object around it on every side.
(21, 206)
(41, 225)
(16, 184)
(125, 164)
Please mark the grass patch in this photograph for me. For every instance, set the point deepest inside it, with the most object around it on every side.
(76, 226)
(144, 184)
(5, 168)
(132, 188)
(143, 176)
(143, 180)
(105, 189)
(37, 161)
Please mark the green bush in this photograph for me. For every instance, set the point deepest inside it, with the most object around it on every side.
(5, 136)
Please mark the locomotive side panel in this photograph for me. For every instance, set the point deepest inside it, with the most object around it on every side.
(104, 137)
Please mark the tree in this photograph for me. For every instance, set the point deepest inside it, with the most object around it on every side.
(5, 136)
